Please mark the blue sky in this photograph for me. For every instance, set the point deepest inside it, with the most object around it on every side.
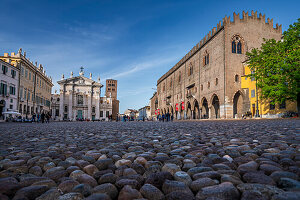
(133, 41)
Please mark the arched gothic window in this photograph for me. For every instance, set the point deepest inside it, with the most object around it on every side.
(233, 47)
(236, 45)
(206, 58)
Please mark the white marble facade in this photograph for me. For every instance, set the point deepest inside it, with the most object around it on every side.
(80, 99)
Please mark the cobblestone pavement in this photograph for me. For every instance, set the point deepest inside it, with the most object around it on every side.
(233, 159)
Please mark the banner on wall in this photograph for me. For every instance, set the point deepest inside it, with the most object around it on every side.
(177, 107)
(182, 106)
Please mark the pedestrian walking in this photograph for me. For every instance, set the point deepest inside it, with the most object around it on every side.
(47, 117)
(43, 117)
(33, 117)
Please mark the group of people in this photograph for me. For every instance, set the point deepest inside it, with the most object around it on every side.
(43, 117)
(128, 118)
(165, 117)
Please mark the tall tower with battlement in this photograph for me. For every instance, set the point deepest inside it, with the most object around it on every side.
(111, 90)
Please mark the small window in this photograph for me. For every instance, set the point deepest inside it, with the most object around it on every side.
(80, 99)
(179, 77)
(66, 109)
(101, 113)
(4, 69)
(208, 85)
(107, 113)
(190, 70)
(217, 81)
(282, 105)
(11, 107)
(93, 109)
(201, 87)
(272, 105)
(252, 93)
(252, 78)
(236, 78)
(13, 73)
(58, 99)
(56, 112)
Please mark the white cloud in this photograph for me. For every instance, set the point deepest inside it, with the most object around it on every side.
(143, 66)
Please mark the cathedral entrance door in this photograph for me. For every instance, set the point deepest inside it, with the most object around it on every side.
(79, 114)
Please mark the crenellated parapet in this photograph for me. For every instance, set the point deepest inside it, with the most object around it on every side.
(253, 16)
(215, 30)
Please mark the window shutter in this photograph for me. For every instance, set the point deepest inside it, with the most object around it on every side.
(5, 89)
(1, 88)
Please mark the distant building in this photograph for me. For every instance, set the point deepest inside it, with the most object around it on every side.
(144, 113)
(9, 77)
(132, 113)
(55, 98)
(80, 99)
(154, 106)
(35, 86)
(265, 108)
(112, 92)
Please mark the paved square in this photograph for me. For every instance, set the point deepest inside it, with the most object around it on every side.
(233, 159)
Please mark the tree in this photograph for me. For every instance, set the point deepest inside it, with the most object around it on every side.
(276, 67)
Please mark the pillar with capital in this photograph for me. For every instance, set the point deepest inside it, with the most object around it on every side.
(61, 104)
(70, 107)
(97, 105)
(89, 114)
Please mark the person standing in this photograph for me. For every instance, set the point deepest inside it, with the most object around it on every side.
(43, 117)
(47, 117)
(33, 117)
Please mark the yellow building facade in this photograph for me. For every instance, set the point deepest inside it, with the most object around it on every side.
(265, 109)
(34, 85)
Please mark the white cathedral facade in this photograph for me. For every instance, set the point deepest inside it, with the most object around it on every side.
(80, 99)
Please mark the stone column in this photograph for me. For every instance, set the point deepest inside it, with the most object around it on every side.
(209, 113)
(97, 106)
(61, 104)
(75, 106)
(70, 107)
(89, 113)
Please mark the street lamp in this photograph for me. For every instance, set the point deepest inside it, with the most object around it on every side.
(257, 111)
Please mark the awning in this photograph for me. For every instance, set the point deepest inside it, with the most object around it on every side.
(11, 113)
